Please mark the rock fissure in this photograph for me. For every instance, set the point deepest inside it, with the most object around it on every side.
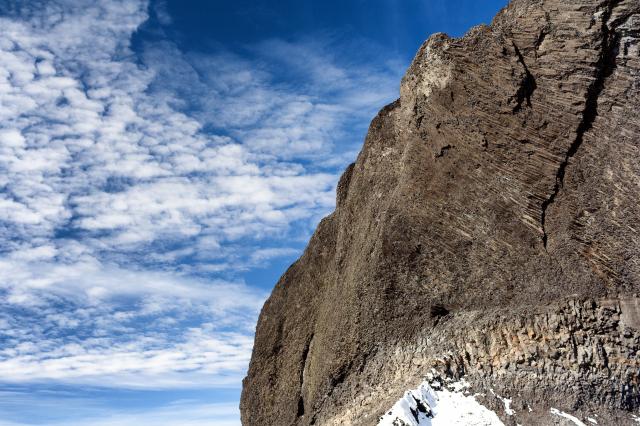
(603, 69)
(527, 85)
(336, 379)
(305, 356)
(541, 37)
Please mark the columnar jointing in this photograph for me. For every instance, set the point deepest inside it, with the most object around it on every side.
(604, 68)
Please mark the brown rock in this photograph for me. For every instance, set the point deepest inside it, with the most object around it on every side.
(489, 228)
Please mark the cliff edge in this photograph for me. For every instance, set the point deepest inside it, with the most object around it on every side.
(488, 231)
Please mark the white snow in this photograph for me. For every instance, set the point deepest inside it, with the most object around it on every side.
(435, 405)
(575, 420)
(592, 420)
(507, 407)
(507, 404)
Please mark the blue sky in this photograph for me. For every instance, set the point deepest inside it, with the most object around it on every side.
(162, 163)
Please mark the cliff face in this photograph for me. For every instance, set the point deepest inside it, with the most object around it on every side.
(490, 228)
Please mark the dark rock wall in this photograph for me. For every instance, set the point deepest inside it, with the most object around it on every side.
(504, 183)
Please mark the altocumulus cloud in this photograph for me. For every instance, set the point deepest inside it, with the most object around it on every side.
(134, 186)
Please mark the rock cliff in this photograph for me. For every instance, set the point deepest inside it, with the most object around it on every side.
(489, 230)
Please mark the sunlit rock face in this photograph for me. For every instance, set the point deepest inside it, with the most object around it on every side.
(489, 230)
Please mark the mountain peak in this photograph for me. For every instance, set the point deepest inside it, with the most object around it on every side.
(500, 191)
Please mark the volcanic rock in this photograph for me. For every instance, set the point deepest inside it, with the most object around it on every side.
(489, 230)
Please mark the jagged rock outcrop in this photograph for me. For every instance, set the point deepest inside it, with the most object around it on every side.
(488, 229)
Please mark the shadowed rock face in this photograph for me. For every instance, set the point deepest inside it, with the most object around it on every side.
(490, 228)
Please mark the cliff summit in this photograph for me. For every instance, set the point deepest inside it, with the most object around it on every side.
(489, 232)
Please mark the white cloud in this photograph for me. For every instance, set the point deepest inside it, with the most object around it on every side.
(85, 412)
(121, 328)
(183, 414)
(127, 181)
(203, 360)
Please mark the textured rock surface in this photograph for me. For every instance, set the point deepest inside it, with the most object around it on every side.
(489, 228)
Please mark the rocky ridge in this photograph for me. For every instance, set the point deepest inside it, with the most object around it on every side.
(488, 230)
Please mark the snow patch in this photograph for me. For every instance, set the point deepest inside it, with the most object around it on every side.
(507, 404)
(592, 420)
(575, 420)
(433, 404)
(507, 407)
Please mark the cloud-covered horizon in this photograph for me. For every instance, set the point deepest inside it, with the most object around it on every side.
(89, 412)
(137, 184)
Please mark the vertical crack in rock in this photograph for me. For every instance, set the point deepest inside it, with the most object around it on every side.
(305, 355)
(604, 68)
(527, 86)
(541, 36)
(336, 379)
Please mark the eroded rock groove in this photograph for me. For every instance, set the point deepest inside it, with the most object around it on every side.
(603, 69)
